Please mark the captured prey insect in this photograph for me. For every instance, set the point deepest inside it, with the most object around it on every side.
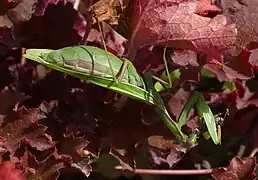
(91, 64)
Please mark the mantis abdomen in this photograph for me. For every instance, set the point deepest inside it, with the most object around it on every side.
(91, 64)
(92, 61)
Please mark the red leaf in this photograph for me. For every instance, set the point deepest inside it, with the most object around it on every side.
(9, 172)
(233, 68)
(177, 102)
(238, 169)
(254, 58)
(47, 169)
(53, 26)
(5, 5)
(189, 73)
(205, 7)
(241, 122)
(37, 138)
(114, 41)
(9, 98)
(43, 4)
(22, 125)
(22, 12)
(71, 149)
(6, 37)
(246, 97)
(244, 15)
(176, 24)
(184, 57)
(149, 58)
(70, 146)
(171, 152)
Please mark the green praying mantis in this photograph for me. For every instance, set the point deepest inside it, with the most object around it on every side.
(102, 68)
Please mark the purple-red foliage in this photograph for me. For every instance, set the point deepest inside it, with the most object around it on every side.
(50, 122)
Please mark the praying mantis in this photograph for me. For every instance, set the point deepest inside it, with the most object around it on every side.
(102, 68)
(90, 63)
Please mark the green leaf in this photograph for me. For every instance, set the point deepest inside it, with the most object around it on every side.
(174, 76)
(205, 112)
(206, 135)
(229, 85)
(158, 86)
(207, 73)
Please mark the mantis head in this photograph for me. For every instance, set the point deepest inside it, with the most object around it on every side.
(36, 54)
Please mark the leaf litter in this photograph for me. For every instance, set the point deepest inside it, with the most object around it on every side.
(65, 122)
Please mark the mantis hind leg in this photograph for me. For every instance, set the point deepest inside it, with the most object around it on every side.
(121, 75)
(120, 102)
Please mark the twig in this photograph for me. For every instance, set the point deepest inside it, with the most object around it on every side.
(173, 172)
(160, 171)
(23, 59)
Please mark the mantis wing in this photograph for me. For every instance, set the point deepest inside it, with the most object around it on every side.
(90, 63)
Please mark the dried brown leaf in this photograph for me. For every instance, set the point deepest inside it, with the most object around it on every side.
(166, 150)
(114, 41)
(108, 10)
